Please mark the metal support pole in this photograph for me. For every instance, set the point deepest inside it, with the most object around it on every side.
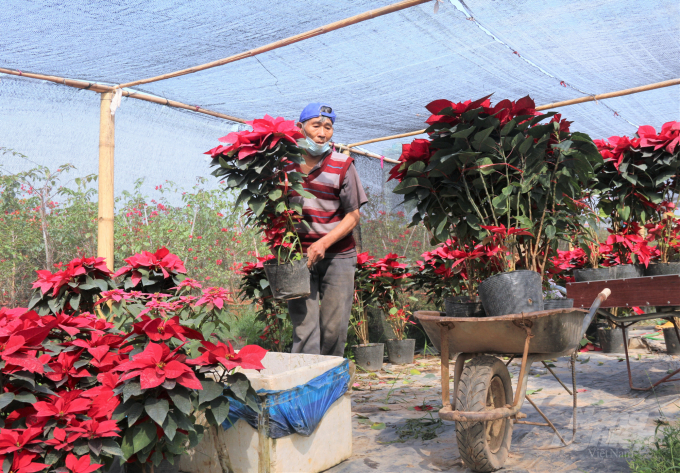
(106, 154)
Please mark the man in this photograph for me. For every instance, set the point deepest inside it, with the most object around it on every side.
(320, 321)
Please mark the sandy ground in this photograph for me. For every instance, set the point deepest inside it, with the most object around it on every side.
(610, 416)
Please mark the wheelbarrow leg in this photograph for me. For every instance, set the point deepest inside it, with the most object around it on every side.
(444, 341)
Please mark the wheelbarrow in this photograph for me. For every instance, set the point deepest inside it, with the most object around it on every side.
(484, 407)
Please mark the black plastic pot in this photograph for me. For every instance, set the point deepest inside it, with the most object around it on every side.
(400, 352)
(661, 269)
(552, 304)
(627, 271)
(463, 307)
(369, 357)
(611, 340)
(288, 281)
(593, 274)
(671, 339)
(164, 467)
(511, 293)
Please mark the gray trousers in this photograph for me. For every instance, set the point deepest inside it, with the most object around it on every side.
(320, 321)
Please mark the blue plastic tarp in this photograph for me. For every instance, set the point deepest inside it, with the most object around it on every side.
(298, 410)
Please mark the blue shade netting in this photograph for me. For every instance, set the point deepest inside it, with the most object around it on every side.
(298, 410)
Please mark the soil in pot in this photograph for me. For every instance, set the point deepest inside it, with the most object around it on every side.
(463, 307)
(512, 293)
(288, 281)
(552, 304)
(369, 357)
(611, 340)
(671, 339)
(593, 274)
(401, 352)
(661, 269)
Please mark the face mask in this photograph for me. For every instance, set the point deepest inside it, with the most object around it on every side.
(312, 147)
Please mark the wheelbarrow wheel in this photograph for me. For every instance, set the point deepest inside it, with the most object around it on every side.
(484, 385)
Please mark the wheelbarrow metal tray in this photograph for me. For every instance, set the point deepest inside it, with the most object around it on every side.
(553, 331)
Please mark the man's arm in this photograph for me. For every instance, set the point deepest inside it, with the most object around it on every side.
(317, 250)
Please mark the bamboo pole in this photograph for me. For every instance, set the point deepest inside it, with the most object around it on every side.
(564, 103)
(284, 42)
(346, 149)
(79, 84)
(106, 152)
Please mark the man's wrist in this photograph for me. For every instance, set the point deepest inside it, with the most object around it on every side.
(325, 243)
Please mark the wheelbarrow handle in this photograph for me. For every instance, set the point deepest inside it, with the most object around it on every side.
(601, 297)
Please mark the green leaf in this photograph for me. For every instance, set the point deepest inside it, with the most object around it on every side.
(181, 399)
(26, 397)
(169, 427)
(526, 144)
(133, 388)
(157, 409)
(220, 409)
(111, 447)
(414, 371)
(550, 232)
(275, 194)
(6, 398)
(74, 301)
(257, 204)
(144, 434)
(378, 426)
(211, 390)
(135, 412)
(534, 391)
(240, 387)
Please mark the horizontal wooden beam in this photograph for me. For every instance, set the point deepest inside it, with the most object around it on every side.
(100, 88)
(284, 42)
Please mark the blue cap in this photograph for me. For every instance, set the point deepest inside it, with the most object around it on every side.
(316, 109)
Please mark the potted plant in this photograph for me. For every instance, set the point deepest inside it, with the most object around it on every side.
(254, 161)
(255, 287)
(666, 235)
(151, 272)
(367, 355)
(80, 394)
(499, 167)
(389, 278)
(167, 397)
(75, 288)
(635, 185)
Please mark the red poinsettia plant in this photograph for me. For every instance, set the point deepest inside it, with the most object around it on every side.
(254, 287)
(255, 161)
(78, 393)
(71, 289)
(666, 235)
(389, 277)
(151, 272)
(488, 169)
(639, 175)
(365, 296)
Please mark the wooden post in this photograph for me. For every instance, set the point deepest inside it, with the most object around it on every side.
(106, 149)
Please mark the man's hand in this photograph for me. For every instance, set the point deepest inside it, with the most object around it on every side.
(315, 252)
